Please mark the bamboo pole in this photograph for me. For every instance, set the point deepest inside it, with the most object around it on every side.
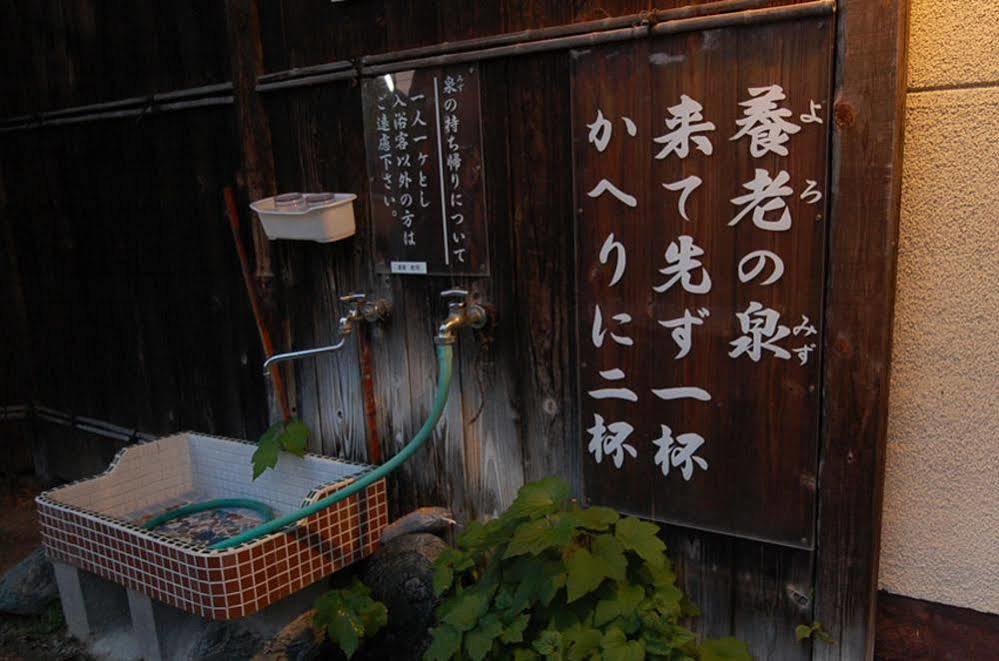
(543, 34)
(688, 23)
(689, 18)
(232, 213)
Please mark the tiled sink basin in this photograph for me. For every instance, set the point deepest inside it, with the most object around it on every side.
(95, 524)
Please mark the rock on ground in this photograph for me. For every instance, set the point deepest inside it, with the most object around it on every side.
(400, 574)
(28, 587)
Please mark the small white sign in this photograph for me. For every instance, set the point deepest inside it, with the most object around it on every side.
(409, 268)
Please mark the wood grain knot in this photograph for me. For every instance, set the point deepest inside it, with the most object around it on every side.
(845, 114)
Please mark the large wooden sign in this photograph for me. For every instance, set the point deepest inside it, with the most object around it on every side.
(700, 183)
(424, 156)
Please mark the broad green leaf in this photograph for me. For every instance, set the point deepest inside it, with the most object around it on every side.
(666, 600)
(536, 536)
(609, 551)
(346, 630)
(450, 561)
(349, 614)
(530, 537)
(803, 631)
(273, 432)
(596, 518)
(657, 644)
(670, 639)
(539, 498)
(479, 640)
(562, 619)
(466, 608)
(688, 608)
(266, 454)
(640, 536)
(443, 577)
(446, 644)
(549, 643)
(724, 649)
(295, 437)
(617, 647)
(524, 654)
(585, 573)
(514, 632)
(625, 601)
(581, 642)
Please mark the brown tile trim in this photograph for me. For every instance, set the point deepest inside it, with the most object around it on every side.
(910, 629)
(224, 584)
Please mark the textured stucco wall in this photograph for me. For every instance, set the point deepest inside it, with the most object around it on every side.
(940, 537)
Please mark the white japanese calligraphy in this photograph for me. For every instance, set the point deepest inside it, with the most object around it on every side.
(682, 392)
(765, 195)
(615, 374)
(597, 332)
(685, 123)
(812, 116)
(610, 440)
(811, 195)
(761, 331)
(681, 329)
(606, 186)
(687, 186)
(681, 260)
(764, 122)
(620, 257)
(679, 453)
(761, 258)
(803, 352)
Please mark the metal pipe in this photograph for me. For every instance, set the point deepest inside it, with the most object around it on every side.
(445, 354)
(90, 425)
(304, 353)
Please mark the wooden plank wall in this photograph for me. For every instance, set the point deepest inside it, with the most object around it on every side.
(133, 293)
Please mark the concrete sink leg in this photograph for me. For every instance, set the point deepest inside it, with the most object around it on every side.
(155, 626)
(90, 604)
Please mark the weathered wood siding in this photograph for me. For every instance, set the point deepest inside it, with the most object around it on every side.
(134, 305)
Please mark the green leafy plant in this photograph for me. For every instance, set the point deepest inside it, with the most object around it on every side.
(549, 579)
(288, 435)
(813, 630)
(348, 615)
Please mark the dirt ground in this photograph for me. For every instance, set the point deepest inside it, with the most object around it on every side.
(31, 638)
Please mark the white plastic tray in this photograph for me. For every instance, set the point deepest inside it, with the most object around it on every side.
(324, 221)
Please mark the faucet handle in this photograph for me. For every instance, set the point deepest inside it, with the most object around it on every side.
(456, 298)
(355, 297)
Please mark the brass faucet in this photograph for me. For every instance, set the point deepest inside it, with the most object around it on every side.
(461, 313)
(361, 309)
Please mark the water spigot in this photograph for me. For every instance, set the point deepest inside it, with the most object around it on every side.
(359, 309)
(461, 312)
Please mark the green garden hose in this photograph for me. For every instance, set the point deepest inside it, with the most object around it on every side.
(263, 509)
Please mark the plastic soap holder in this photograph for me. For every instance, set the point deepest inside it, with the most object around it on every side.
(322, 217)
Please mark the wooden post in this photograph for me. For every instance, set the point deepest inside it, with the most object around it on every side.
(256, 152)
(866, 184)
